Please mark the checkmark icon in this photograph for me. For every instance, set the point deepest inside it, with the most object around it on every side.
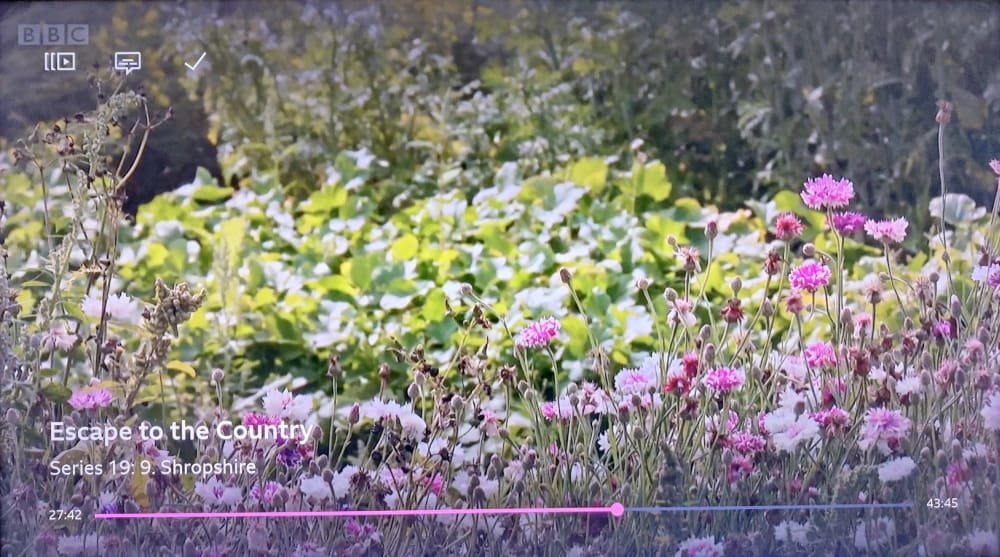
(195, 65)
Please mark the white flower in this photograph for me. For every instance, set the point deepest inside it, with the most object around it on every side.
(795, 369)
(636, 381)
(413, 425)
(681, 313)
(214, 492)
(120, 307)
(314, 487)
(287, 405)
(983, 543)
(791, 532)
(342, 481)
(991, 412)
(983, 273)
(908, 386)
(789, 399)
(803, 430)
(700, 547)
(779, 420)
(57, 337)
(896, 469)
(377, 409)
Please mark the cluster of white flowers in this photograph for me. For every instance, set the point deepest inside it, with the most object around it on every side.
(413, 425)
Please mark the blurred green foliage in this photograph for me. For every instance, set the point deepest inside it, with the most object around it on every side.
(739, 99)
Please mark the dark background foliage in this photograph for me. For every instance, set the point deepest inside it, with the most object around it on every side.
(738, 98)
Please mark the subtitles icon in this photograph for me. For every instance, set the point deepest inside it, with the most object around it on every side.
(60, 61)
(128, 61)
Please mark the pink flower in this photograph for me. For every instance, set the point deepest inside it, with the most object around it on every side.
(638, 381)
(826, 193)
(738, 467)
(538, 334)
(846, 223)
(265, 495)
(863, 321)
(942, 329)
(810, 276)
(700, 547)
(820, 354)
(724, 379)
(561, 408)
(788, 226)
(794, 433)
(681, 313)
(57, 337)
(883, 429)
(890, 231)
(747, 443)
(691, 258)
(995, 165)
(833, 420)
(794, 303)
(85, 400)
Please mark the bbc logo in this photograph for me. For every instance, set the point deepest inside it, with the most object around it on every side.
(68, 34)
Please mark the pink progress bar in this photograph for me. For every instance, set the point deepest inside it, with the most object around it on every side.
(615, 509)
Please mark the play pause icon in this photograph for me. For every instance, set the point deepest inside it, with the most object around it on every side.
(60, 61)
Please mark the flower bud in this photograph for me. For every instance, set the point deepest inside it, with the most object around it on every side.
(466, 289)
(413, 391)
(808, 249)
(218, 375)
(565, 275)
(355, 415)
(736, 284)
(670, 294)
(767, 308)
(941, 460)
(643, 283)
(712, 229)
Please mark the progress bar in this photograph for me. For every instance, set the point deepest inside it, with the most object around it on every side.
(815, 507)
(615, 509)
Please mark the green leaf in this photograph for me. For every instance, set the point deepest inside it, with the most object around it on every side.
(686, 210)
(591, 172)
(232, 233)
(434, 306)
(182, 367)
(405, 248)
(56, 392)
(325, 200)
(576, 329)
(211, 194)
(363, 269)
(653, 181)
